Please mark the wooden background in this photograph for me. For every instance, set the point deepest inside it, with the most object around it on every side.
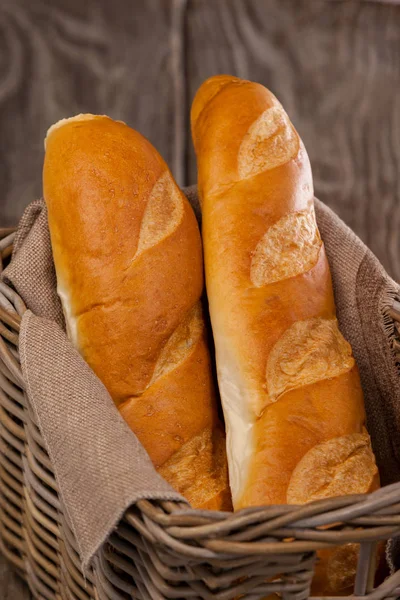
(335, 65)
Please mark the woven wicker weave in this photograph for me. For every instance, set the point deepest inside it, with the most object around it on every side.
(165, 550)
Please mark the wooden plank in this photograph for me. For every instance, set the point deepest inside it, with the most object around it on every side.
(11, 586)
(177, 49)
(61, 58)
(335, 67)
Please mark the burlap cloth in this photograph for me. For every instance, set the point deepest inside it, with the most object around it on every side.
(100, 467)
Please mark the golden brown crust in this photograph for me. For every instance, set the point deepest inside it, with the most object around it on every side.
(175, 408)
(128, 257)
(287, 377)
(336, 467)
(309, 351)
(335, 571)
(289, 428)
(188, 471)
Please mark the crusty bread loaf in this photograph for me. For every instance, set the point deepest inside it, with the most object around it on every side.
(128, 259)
(289, 384)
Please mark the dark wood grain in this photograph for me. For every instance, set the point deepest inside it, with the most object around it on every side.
(335, 66)
(61, 58)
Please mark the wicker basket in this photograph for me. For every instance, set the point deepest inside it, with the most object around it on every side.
(163, 549)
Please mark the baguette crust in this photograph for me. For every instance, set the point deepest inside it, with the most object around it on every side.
(289, 385)
(128, 258)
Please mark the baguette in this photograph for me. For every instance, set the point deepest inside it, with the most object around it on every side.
(128, 259)
(289, 385)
